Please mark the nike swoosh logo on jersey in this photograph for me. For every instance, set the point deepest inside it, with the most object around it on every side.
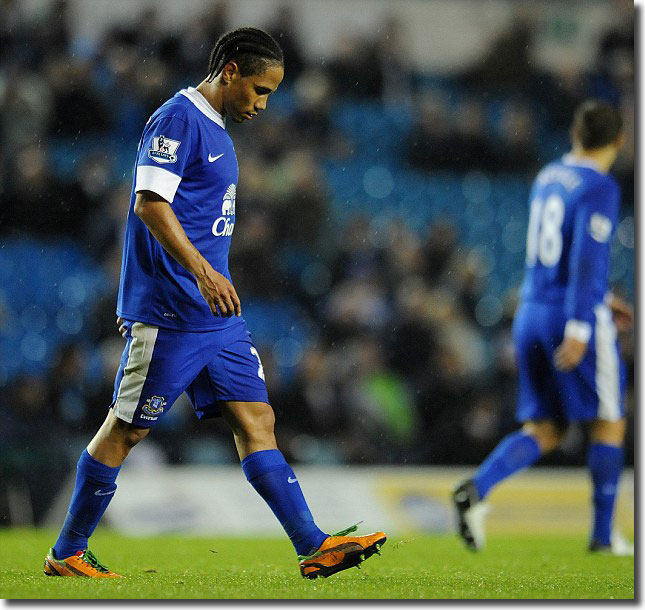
(211, 158)
(290, 480)
(98, 492)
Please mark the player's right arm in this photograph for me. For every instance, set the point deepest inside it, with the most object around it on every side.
(162, 222)
(622, 312)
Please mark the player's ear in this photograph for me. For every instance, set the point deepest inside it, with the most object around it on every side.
(229, 71)
(620, 140)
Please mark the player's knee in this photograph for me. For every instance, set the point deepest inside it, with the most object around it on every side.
(259, 425)
(608, 432)
(263, 425)
(547, 434)
(129, 434)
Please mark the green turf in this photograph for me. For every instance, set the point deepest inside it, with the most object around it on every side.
(415, 567)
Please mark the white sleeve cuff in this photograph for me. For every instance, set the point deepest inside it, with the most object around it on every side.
(157, 180)
(579, 330)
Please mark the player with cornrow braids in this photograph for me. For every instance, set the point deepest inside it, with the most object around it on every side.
(182, 319)
(253, 50)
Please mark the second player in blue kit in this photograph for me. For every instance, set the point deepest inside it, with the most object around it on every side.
(182, 318)
(565, 338)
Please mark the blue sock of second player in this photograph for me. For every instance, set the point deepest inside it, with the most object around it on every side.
(605, 463)
(514, 452)
(275, 481)
(95, 487)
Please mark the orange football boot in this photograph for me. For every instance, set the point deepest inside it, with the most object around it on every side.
(83, 564)
(339, 552)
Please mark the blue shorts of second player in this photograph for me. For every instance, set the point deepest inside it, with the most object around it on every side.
(158, 364)
(593, 390)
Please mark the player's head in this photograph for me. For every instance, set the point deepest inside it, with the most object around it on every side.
(250, 66)
(597, 125)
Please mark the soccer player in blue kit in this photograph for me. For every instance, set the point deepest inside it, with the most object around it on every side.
(181, 315)
(567, 352)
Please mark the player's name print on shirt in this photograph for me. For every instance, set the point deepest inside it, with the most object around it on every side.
(163, 150)
(212, 158)
(223, 226)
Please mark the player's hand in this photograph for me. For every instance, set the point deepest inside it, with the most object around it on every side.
(219, 293)
(120, 322)
(622, 313)
(569, 354)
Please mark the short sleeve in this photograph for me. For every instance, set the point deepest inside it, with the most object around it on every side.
(162, 156)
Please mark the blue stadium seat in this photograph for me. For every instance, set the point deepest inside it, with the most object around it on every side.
(50, 289)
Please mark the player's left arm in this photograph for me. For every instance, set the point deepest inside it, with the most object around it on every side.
(594, 226)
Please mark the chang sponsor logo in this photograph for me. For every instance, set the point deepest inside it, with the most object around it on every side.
(224, 225)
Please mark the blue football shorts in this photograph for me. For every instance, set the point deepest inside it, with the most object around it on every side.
(595, 389)
(158, 364)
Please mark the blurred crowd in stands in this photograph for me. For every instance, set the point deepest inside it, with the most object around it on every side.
(393, 364)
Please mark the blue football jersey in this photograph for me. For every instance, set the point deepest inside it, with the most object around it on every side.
(185, 156)
(573, 214)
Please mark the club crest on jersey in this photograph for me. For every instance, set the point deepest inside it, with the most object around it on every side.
(163, 150)
(600, 227)
(223, 227)
(154, 405)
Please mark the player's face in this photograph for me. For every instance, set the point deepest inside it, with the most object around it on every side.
(247, 95)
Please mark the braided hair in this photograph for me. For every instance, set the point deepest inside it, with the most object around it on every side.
(252, 50)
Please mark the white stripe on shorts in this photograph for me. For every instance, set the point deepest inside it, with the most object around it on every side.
(142, 345)
(607, 377)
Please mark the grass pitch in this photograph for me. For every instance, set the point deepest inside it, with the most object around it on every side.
(415, 567)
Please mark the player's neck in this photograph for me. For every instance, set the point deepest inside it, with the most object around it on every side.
(213, 94)
(602, 158)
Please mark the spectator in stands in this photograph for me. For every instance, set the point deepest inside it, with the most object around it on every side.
(355, 70)
(76, 107)
(516, 149)
(284, 29)
(394, 62)
(429, 145)
(33, 459)
(38, 202)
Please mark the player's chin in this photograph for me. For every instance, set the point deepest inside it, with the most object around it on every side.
(239, 117)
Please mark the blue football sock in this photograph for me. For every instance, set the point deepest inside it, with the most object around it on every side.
(605, 463)
(514, 452)
(274, 480)
(94, 489)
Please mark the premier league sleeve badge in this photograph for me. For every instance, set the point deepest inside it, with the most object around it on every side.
(163, 150)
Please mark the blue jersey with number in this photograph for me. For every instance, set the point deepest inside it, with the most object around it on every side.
(186, 157)
(573, 214)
